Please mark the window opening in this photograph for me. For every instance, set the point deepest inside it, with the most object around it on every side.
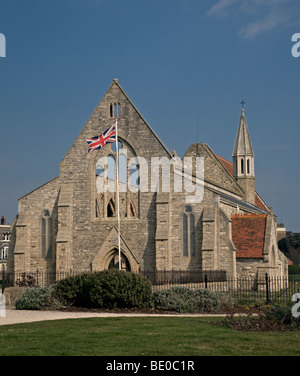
(111, 211)
(188, 233)
(115, 110)
(132, 209)
(185, 236)
(46, 251)
(113, 146)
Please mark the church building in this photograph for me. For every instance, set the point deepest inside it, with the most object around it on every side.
(71, 222)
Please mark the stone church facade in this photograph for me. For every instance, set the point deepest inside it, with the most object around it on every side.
(70, 223)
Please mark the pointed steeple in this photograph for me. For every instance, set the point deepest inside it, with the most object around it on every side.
(243, 160)
(243, 145)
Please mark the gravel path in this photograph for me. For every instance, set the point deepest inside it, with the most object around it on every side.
(13, 316)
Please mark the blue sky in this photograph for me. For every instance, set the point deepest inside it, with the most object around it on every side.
(176, 59)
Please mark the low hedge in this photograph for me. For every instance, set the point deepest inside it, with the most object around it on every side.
(106, 289)
(118, 289)
(185, 300)
(37, 298)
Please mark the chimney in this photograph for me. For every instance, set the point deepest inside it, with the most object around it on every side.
(3, 220)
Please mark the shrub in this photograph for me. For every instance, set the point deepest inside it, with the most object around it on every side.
(178, 299)
(282, 315)
(106, 289)
(207, 301)
(73, 289)
(185, 300)
(36, 298)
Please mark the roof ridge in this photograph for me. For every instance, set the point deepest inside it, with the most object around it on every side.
(116, 81)
(249, 215)
(226, 160)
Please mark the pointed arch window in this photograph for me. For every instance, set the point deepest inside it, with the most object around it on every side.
(111, 168)
(100, 171)
(106, 190)
(248, 166)
(113, 146)
(188, 232)
(122, 172)
(111, 208)
(132, 209)
(46, 236)
(242, 166)
(134, 179)
(114, 262)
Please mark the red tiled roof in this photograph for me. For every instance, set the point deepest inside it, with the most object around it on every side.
(228, 165)
(259, 203)
(248, 234)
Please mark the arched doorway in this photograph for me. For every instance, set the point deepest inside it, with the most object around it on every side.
(114, 261)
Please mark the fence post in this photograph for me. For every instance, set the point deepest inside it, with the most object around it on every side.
(205, 280)
(267, 288)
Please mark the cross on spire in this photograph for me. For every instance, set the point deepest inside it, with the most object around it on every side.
(242, 102)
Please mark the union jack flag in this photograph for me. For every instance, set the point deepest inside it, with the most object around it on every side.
(106, 137)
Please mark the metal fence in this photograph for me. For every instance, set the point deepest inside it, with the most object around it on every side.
(244, 290)
(267, 289)
(35, 278)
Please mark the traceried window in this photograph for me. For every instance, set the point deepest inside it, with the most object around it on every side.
(134, 176)
(113, 146)
(111, 168)
(122, 173)
(46, 238)
(188, 233)
(105, 172)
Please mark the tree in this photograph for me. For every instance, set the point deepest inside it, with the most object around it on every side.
(290, 246)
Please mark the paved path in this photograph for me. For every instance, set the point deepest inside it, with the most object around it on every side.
(13, 316)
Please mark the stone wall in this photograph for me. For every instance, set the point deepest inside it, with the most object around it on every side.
(85, 237)
(77, 168)
(11, 294)
(26, 245)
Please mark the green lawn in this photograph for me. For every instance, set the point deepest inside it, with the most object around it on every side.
(139, 336)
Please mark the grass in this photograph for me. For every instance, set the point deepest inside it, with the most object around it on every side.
(141, 336)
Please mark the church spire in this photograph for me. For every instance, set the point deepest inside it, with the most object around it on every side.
(243, 159)
(243, 145)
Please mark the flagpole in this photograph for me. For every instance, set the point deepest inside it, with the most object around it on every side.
(118, 199)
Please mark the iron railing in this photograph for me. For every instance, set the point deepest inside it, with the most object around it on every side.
(247, 290)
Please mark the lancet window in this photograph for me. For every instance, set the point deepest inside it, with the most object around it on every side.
(188, 232)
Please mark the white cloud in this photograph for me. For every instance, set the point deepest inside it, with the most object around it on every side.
(269, 22)
(220, 8)
(259, 16)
